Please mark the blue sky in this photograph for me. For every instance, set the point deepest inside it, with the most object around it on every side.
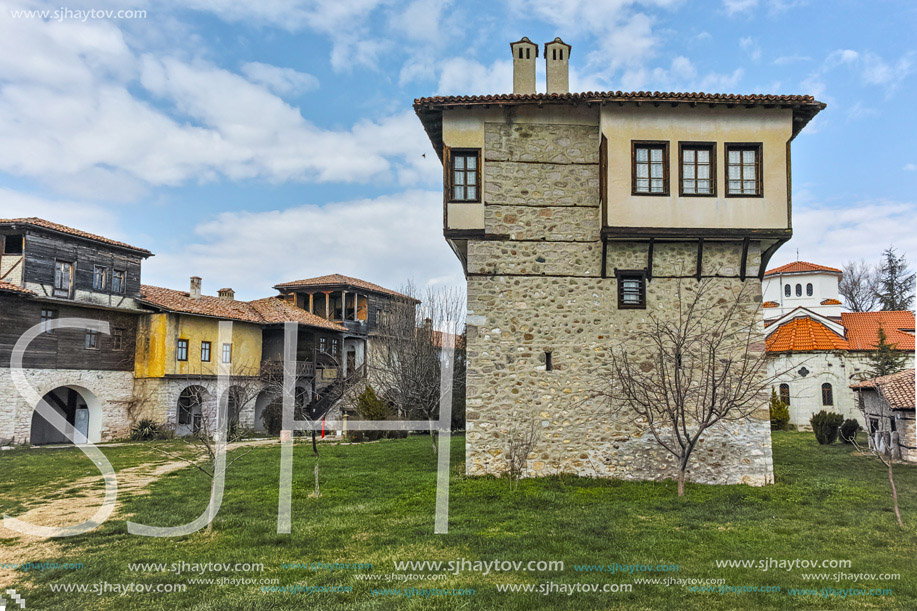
(251, 143)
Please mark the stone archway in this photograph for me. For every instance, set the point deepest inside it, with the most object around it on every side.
(81, 409)
(189, 416)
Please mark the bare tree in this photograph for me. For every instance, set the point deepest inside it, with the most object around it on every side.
(683, 374)
(859, 286)
(520, 442)
(413, 338)
(882, 444)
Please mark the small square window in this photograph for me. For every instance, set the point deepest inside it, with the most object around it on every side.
(13, 244)
(92, 340)
(205, 352)
(650, 175)
(743, 170)
(631, 289)
(465, 176)
(181, 350)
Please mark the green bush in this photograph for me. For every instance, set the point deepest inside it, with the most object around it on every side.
(849, 430)
(780, 413)
(149, 430)
(825, 426)
(272, 418)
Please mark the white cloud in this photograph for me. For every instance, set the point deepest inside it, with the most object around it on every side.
(749, 45)
(282, 81)
(387, 240)
(461, 75)
(832, 236)
(910, 167)
(681, 75)
(734, 7)
(785, 60)
(73, 213)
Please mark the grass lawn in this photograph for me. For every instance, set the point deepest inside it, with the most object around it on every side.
(377, 507)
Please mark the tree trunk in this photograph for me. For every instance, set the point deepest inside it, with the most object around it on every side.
(681, 481)
(433, 436)
(894, 493)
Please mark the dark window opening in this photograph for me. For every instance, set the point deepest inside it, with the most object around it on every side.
(827, 394)
(13, 244)
(117, 339)
(548, 361)
(799, 290)
(520, 52)
(205, 352)
(465, 176)
(528, 54)
(181, 350)
(335, 347)
(92, 340)
(873, 425)
(787, 291)
(46, 317)
(631, 290)
(810, 290)
(553, 53)
(785, 393)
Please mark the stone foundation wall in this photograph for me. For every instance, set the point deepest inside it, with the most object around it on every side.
(110, 390)
(536, 287)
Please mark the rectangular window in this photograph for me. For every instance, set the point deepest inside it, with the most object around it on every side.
(743, 170)
(650, 172)
(181, 350)
(631, 290)
(46, 317)
(12, 244)
(63, 278)
(99, 277)
(117, 281)
(698, 168)
(227, 353)
(548, 361)
(117, 339)
(465, 176)
(92, 340)
(335, 347)
(322, 344)
(205, 352)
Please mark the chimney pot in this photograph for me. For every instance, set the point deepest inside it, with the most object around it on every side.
(524, 54)
(557, 64)
(195, 291)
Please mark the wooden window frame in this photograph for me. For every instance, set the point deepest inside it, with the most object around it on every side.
(46, 316)
(117, 339)
(91, 340)
(650, 144)
(223, 358)
(122, 285)
(620, 275)
(95, 275)
(827, 395)
(208, 352)
(695, 146)
(784, 397)
(181, 350)
(59, 292)
(758, 147)
(450, 175)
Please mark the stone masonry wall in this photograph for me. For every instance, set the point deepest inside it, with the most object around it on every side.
(536, 287)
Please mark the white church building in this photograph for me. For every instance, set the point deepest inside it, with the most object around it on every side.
(818, 349)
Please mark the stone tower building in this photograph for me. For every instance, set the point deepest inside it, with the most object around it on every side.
(575, 216)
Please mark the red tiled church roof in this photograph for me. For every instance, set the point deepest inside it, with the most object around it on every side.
(863, 329)
(804, 334)
(797, 267)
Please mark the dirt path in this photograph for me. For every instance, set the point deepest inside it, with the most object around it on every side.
(17, 548)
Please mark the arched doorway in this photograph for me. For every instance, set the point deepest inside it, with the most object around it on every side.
(189, 417)
(81, 410)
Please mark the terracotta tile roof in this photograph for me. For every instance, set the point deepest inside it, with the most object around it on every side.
(43, 224)
(14, 288)
(262, 311)
(798, 267)
(342, 282)
(897, 388)
(803, 334)
(863, 329)
(622, 96)
(830, 302)
(770, 304)
(274, 310)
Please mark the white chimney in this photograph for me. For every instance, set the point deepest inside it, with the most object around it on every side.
(227, 294)
(524, 54)
(195, 291)
(557, 64)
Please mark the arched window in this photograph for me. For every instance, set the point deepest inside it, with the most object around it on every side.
(799, 290)
(785, 393)
(827, 394)
(810, 290)
(787, 291)
(189, 404)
